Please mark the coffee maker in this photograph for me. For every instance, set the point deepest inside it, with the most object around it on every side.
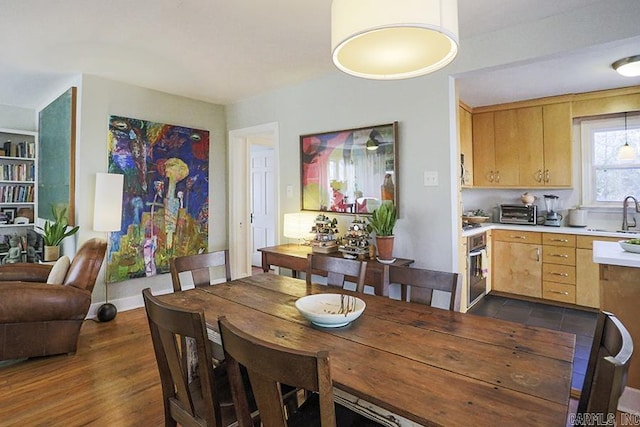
(553, 218)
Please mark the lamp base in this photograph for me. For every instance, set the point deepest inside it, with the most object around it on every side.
(107, 312)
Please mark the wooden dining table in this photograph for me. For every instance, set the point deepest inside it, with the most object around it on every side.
(404, 363)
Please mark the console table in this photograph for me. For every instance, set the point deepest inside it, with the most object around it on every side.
(294, 257)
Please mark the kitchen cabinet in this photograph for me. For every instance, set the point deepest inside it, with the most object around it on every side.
(486, 163)
(517, 262)
(559, 267)
(557, 125)
(587, 271)
(526, 146)
(465, 132)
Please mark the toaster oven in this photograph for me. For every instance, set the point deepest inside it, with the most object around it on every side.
(519, 214)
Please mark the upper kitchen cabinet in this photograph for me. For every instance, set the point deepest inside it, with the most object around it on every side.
(465, 138)
(525, 146)
(557, 144)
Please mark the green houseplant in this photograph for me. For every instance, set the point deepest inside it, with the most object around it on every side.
(382, 222)
(54, 232)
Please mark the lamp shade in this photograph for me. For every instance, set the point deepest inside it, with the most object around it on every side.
(626, 152)
(107, 208)
(297, 225)
(380, 39)
(628, 67)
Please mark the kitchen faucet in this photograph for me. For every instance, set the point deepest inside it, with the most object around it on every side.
(625, 224)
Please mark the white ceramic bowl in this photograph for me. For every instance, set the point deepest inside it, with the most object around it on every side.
(325, 309)
(629, 247)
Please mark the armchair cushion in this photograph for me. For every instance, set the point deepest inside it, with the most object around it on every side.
(59, 271)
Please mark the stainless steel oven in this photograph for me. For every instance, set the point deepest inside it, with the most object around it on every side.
(478, 265)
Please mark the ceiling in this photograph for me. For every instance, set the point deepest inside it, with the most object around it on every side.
(224, 51)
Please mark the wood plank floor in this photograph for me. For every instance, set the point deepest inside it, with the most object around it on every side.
(111, 381)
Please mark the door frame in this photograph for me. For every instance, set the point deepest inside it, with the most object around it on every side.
(240, 244)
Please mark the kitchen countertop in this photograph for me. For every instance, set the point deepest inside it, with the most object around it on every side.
(545, 229)
(612, 254)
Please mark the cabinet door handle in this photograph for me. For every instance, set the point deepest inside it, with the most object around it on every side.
(560, 240)
(497, 176)
(539, 175)
(553, 291)
(490, 178)
(547, 176)
(553, 273)
(537, 254)
(560, 255)
(519, 237)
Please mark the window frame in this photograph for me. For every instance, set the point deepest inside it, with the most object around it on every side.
(588, 126)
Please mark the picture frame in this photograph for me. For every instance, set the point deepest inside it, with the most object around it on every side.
(351, 171)
(10, 213)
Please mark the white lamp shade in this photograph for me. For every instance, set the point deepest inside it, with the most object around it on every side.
(297, 225)
(626, 153)
(382, 39)
(107, 207)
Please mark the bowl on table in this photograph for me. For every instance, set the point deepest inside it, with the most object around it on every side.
(630, 247)
(330, 310)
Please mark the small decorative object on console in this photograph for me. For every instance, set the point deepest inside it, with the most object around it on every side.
(326, 233)
(356, 240)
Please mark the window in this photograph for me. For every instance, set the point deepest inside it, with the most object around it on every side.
(605, 179)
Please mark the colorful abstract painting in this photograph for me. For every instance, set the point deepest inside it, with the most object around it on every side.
(165, 199)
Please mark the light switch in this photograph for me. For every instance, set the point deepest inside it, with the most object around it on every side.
(430, 178)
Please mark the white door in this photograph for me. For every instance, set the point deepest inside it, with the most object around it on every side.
(263, 209)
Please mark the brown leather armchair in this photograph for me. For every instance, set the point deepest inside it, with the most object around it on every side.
(40, 319)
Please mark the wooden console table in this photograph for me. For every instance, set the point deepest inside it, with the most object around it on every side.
(294, 257)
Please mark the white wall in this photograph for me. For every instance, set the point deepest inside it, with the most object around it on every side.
(424, 108)
(18, 118)
(100, 98)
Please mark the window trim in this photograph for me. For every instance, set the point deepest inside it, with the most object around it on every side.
(587, 127)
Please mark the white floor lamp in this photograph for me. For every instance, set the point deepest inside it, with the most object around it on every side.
(107, 216)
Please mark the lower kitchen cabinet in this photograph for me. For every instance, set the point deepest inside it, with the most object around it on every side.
(559, 267)
(517, 262)
(588, 272)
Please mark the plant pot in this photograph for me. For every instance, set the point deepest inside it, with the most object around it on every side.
(385, 247)
(51, 253)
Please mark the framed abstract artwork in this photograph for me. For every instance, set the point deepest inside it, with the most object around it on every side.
(165, 206)
(351, 170)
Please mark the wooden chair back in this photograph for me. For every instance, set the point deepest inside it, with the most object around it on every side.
(337, 270)
(268, 366)
(188, 404)
(418, 284)
(607, 370)
(199, 265)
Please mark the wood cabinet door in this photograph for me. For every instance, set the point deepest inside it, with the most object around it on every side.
(506, 148)
(483, 149)
(557, 144)
(465, 132)
(517, 268)
(530, 147)
(587, 279)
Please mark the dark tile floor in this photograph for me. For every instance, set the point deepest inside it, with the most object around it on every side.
(579, 322)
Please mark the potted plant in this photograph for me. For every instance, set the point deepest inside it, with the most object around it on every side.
(382, 222)
(54, 232)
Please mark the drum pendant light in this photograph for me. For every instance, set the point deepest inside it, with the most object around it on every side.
(393, 39)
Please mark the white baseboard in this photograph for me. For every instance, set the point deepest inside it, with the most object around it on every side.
(630, 401)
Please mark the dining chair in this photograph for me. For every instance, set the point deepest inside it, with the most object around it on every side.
(337, 270)
(607, 371)
(199, 265)
(269, 366)
(203, 401)
(418, 284)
